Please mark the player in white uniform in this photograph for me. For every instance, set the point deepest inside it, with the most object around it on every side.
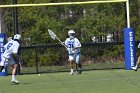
(138, 62)
(10, 56)
(73, 47)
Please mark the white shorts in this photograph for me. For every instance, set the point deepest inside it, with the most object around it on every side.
(75, 57)
(5, 61)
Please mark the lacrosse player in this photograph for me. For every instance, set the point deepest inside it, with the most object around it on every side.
(137, 63)
(73, 48)
(10, 56)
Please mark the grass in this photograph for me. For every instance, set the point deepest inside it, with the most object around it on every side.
(96, 81)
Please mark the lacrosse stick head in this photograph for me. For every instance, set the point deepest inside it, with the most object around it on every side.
(52, 34)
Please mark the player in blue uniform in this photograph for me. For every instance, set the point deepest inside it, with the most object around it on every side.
(10, 56)
(73, 47)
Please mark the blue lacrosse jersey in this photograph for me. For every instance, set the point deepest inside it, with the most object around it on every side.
(72, 43)
(11, 47)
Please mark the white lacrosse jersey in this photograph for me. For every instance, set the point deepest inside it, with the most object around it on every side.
(72, 43)
(10, 47)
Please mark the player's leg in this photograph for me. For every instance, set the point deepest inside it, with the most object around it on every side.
(78, 63)
(71, 64)
(71, 67)
(138, 62)
(2, 63)
(14, 68)
(1, 68)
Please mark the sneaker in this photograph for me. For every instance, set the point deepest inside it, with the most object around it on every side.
(134, 68)
(71, 73)
(15, 81)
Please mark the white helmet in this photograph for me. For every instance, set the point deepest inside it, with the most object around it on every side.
(71, 32)
(17, 36)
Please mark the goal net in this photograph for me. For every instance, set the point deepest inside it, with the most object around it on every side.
(98, 26)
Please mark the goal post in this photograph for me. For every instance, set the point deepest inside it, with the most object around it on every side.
(129, 48)
(63, 3)
(129, 36)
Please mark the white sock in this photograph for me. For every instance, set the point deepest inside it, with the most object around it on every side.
(13, 77)
(136, 66)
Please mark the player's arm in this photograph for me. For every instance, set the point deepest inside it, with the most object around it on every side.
(66, 42)
(14, 53)
(67, 45)
(77, 44)
(5, 46)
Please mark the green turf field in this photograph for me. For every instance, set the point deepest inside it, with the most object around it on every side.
(96, 81)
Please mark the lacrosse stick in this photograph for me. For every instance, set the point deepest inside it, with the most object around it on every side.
(19, 62)
(20, 65)
(53, 36)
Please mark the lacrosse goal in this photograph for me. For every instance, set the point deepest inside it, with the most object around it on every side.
(98, 25)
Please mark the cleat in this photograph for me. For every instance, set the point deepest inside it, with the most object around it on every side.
(134, 68)
(71, 73)
(15, 82)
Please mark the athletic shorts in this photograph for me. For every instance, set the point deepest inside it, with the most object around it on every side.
(75, 57)
(5, 61)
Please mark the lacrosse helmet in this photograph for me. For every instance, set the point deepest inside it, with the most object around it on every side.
(17, 36)
(71, 34)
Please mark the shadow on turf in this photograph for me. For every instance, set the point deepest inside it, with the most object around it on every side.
(21, 83)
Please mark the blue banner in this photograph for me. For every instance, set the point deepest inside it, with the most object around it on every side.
(2, 42)
(129, 48)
